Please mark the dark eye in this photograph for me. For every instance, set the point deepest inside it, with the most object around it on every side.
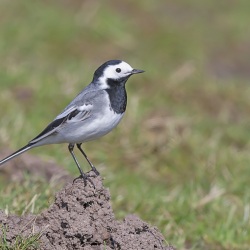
(118, 70)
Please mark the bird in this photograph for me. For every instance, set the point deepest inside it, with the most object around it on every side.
(93, 113)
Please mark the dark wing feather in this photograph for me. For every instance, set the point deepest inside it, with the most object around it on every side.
(51, 127)
(69, 116)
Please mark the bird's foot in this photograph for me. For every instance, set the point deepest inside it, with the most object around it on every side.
(85, 179)
(95, 170)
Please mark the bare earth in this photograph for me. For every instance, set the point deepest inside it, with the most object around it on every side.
(82, 218)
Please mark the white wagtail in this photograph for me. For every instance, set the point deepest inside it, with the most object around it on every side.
(93, 113)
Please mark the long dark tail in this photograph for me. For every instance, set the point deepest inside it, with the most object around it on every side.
(18, 152)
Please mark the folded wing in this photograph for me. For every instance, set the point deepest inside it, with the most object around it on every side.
(72, 114)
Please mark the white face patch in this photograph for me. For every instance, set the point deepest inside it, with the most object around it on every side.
(115, 72)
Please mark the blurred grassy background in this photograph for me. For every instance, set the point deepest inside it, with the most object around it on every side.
(180, 158)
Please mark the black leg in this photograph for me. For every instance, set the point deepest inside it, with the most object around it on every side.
(86, 157)
(84, 176)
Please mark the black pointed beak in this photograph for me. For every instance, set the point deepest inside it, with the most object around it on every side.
(137, 71)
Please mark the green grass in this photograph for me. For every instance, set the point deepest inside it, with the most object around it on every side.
(30, 242)
(32, 194)
(180, 158)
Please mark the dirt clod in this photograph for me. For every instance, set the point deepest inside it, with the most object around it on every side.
(82, 218)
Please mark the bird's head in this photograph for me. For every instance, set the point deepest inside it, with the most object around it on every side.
(114, 72)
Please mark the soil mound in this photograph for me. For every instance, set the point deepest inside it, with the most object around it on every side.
(82, 218)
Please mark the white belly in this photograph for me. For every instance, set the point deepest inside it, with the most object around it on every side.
(90, 129)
